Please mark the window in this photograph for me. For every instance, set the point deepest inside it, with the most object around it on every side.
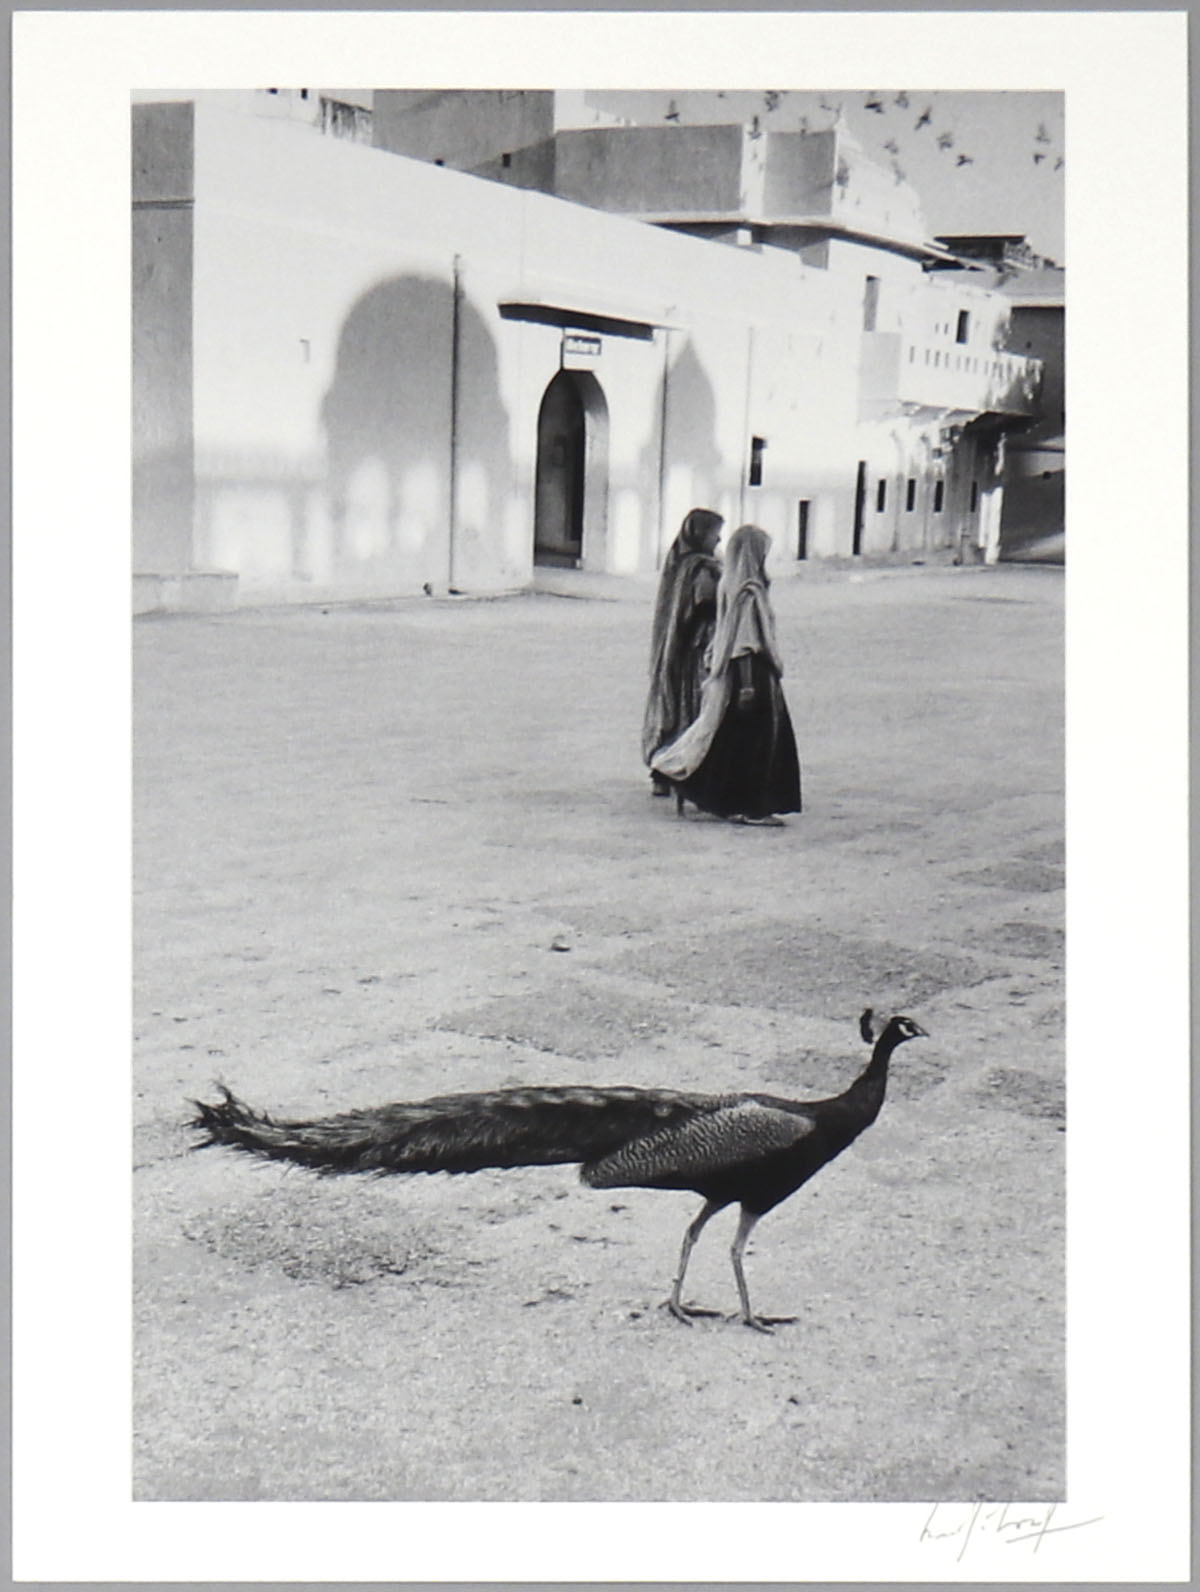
(910, 497)
(870, 304)
(974, 496)
(802, 509)
(757, 444)
(506, 160)
(964, 326)
(939, 494)
(880, 496)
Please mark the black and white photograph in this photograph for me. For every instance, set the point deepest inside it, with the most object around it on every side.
(616, 907)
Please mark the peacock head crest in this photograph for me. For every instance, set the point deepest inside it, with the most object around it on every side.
(898, 1028)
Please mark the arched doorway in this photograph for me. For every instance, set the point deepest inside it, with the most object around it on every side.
(571, 489)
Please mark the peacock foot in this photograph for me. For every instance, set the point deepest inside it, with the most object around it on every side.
(766, 1324)
(685, 1313)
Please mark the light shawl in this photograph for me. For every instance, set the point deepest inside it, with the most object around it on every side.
(745, 624)
(685, 560)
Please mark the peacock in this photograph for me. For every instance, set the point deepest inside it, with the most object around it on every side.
(752, 1149)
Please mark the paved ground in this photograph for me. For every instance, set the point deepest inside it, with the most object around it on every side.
(361, 832)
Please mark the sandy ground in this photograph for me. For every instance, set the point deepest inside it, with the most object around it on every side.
(361, 832)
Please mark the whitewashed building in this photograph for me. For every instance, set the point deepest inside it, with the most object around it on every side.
(359, 372)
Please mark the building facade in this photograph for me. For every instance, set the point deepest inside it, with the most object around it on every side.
(365, 372)
(1033, 516)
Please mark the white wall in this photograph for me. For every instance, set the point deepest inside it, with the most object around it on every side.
(323, 324)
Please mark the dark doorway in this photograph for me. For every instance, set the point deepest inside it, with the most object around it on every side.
(570, 506)
(561, 465)
(860, 504)
(802, 509)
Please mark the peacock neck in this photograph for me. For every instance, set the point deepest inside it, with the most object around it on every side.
(868, 1089)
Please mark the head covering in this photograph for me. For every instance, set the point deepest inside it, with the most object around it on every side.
(745, 622)
(679, 567)
(674, 610)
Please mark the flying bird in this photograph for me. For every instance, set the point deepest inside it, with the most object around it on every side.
(1059, 164)
(892, 147)
(771, 98)
(1038, 157)
(753, 1150)
(901, 100)
(672, 112)
(1042, 136)
(945, 140)
(875, 105)
(924, 119)
(965, 160)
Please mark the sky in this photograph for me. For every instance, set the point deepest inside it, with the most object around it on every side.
(981, 162)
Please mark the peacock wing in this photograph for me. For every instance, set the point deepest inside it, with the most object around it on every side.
(728, 1136)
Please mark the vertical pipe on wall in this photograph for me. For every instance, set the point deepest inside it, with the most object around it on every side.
(452, 494)
(746, 426)
(660, 519)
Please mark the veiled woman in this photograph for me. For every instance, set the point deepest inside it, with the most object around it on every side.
(685, 613)
(738, 758)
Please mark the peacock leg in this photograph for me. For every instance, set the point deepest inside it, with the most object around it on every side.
(759, 1323)
(675, 1304)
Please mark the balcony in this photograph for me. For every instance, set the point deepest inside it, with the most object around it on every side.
(901, 374)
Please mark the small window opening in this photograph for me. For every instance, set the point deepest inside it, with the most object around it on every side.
(974, 496)
(880, 496)
(757, 444)
(910, 496)
(870, 304)
(439, 162)
(964, 326)
(802, 509)
(506, 160)
(939, 494)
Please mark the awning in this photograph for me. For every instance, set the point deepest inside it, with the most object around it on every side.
(564, 304)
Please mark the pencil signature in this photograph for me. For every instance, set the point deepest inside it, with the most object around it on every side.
(961, 1524)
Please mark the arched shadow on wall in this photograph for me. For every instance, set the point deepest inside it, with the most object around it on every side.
(391, 445)
(690, 465)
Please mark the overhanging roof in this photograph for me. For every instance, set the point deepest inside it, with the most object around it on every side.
(840, 230)
(568, 304)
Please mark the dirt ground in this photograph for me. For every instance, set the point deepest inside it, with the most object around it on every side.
(386, 851)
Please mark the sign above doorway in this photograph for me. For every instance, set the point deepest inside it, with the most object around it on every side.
(580, 351)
